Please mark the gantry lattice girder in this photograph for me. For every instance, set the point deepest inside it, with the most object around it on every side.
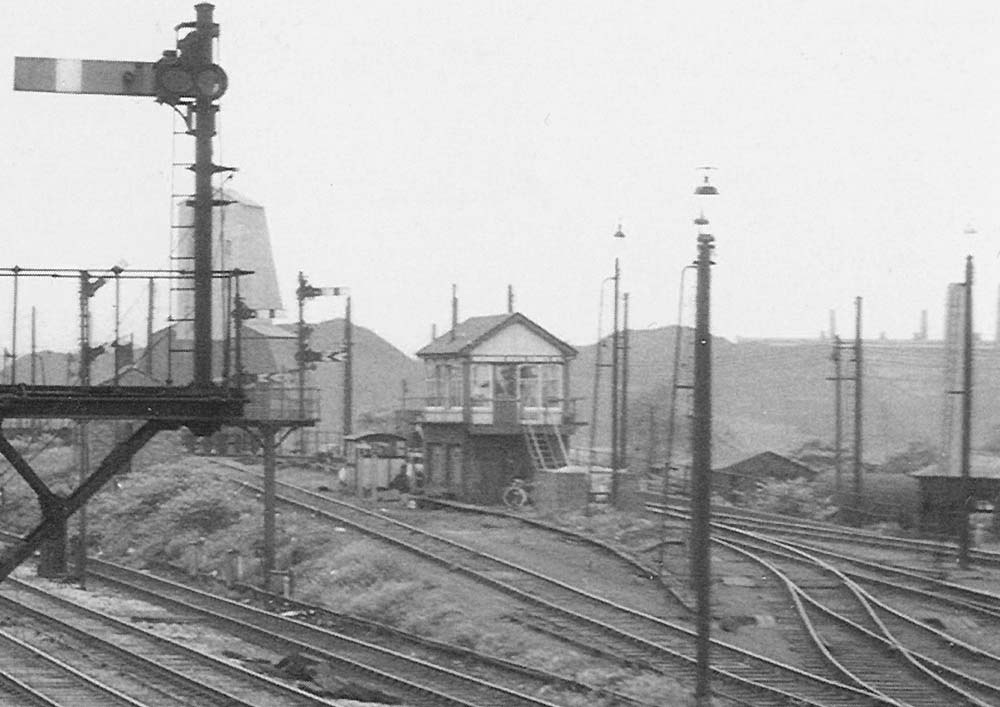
(179, 405)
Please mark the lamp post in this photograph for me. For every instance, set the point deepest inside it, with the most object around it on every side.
(615, 345)
(598, 365)
(701, 453)
(672, 415)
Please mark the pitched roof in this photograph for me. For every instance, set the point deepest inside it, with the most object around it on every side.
(766, 463)
(132, 375)
(469, 333)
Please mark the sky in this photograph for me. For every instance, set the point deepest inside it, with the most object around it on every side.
(401, 147)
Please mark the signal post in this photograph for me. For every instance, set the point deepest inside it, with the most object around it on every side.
(187, 79)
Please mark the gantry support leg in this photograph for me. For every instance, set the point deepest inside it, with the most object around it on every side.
(56, 511)
(53, 551)
(52, 562)
(267, 435)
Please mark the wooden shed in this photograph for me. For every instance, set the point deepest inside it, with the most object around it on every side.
(746, 475)
(942, 501)
(373, 460)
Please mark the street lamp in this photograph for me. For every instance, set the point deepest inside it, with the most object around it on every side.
(701, 451)
(672, 414)
(598, 364)
(615, 345)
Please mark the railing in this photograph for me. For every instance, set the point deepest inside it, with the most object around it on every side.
(558, 411)
(276, 401)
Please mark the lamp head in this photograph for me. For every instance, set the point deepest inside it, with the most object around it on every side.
(706, 189)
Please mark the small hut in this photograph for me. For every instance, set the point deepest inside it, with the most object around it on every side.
(942, 499)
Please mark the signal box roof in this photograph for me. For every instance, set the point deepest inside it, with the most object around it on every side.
(475, 330)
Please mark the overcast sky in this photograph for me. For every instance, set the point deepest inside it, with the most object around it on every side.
(399, 147)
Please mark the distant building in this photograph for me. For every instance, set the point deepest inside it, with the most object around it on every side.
(241, 240)
(498, 405)
(942, 503)
(745, 476)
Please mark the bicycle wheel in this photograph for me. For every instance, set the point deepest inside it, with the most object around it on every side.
(515, 497)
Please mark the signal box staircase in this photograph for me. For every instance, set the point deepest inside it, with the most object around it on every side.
(544, 455)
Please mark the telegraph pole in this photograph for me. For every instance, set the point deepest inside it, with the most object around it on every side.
(615, 385)
(118, 304)
(652, 441)
(858, 408)
(838, 410)
(348, 371)
(966, 486)
(598, 365)
(623, 427)
(88, 288)
(150, 304)
(303, 344)
(13, 333)
(34, 348)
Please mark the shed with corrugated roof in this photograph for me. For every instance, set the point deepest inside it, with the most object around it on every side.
(944, 497)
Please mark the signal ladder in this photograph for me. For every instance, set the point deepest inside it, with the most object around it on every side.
(182, 200)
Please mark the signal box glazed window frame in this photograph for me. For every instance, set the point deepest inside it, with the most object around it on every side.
(504, 393)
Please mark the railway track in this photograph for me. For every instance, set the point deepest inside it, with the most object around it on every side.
(921, 584)
(638, 638)
(943, 668)
(530, 679)
(868, 639)
(875, 641)
(463, 660)
(416, 681)
(34, 677)
(140, 667)
(821, 532)
(958, 672)
(873, 644)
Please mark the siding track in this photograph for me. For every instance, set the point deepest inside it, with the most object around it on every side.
(638, 638)
(141, 667)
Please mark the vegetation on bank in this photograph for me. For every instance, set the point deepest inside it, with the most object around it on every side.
(176, 512)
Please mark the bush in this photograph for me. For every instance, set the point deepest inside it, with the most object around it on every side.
(363, 579)
(157, 515)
